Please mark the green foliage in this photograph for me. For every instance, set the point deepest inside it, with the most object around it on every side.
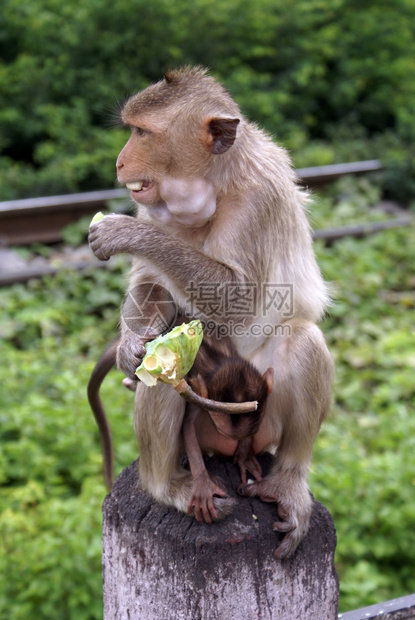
(50, 458)
(365, 456)
(329, 79)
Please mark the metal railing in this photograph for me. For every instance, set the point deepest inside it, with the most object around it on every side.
(41, 220)
(396, 609)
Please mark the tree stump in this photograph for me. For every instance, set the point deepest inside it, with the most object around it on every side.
(160, 564)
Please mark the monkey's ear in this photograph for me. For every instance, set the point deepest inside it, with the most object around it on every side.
(219, 134)
(268, 377)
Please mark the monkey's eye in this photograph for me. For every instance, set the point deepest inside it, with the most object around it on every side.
(139, 131)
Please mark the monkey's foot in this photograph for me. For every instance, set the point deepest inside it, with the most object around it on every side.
(245, 458)
(203, 504)
(291, 523)
(294, 533)
(262, 489)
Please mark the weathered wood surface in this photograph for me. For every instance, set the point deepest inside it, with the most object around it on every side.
(160, 564)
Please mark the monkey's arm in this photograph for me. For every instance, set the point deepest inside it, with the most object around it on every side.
(178, 260)
(148, 310)
(204, 484)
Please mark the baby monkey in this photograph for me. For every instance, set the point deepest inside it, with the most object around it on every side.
(220, 374)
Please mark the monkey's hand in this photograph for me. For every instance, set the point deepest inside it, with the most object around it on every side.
(113, 234)
(245, 458)
(294, 514)
(130, 354)
(205, 486)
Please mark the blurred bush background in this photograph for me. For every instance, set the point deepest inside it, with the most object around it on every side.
(333, 81)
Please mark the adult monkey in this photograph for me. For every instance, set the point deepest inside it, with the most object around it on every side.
(219, 206)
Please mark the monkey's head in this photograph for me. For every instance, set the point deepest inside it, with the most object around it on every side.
(239, 381)
(178, 127)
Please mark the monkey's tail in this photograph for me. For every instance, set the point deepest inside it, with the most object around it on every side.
(102, 368)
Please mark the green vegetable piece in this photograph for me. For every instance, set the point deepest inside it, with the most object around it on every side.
(169, 358)
(98, 216)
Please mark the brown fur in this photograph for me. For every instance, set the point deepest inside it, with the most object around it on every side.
(226, 377)
(255, 231)
(221, 374)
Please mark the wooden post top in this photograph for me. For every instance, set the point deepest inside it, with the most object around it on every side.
(163, 565)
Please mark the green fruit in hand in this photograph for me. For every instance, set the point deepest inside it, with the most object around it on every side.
(169, 358)
(98, 216)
